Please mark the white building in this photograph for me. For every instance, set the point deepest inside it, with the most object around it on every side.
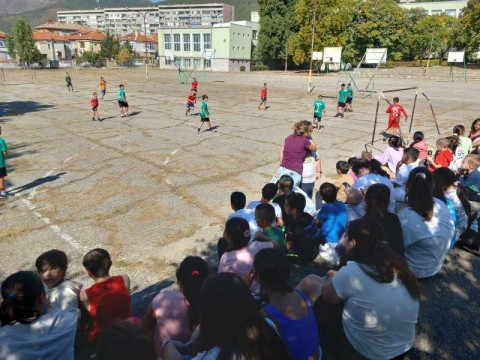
(452, 8)
(3, 47)
(123, 20)
(221, 47)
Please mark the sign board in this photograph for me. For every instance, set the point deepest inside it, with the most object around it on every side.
(209, 54)
(376, 56)
(169, 55)
(332, 55)
(456, 56)
(317, 55)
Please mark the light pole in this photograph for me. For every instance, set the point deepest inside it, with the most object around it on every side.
(310, 88)
(144, 15)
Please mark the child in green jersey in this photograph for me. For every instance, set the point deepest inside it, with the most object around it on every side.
(342, 95)
(318, 111)
(68, 80)
(205, 114)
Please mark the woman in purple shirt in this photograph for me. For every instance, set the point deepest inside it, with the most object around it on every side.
(294, 150)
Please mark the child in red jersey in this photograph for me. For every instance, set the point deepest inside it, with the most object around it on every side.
(195, 88)
(190, 101)
(395, 110)
(263, 97)
(94, 103)
(106, 301)
(443, 157)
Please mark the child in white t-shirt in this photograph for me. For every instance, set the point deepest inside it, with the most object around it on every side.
(61, 293)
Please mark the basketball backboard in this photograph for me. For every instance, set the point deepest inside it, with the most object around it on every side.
(376, 56)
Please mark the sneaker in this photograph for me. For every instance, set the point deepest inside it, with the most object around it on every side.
(186, 113)
(93, 119)
(99, 119)
(3, 194)
(198, 131)
(336, 115)
(214, 130)
(341, 115)
(350, 110)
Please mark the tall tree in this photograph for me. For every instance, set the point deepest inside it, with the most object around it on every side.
(332, 27)
(467, 34)
(276, 24)
(109, 46)
(20, 43)
(380, 24)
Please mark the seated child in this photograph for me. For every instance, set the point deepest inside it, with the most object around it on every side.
(470, 178)
(443, 157)
(407, 164)
(239, 255)
(343, 177)
(420, 145)
(289, 309)
(61, 293)
(464, 141)
(264, 213)
(458, 154)
(302, 234)
(174, 314)
(108, 300)
(269, 192)
(28, 330)
(238, 200)
(332, 220)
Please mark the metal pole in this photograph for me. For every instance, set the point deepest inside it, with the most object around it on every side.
(145, 42)
(376, 119)
(311, 54)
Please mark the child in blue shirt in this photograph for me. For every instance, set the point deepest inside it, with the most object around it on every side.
(333, 220)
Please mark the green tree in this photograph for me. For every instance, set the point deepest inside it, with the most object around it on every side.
(431, 35)
(109, 46)
(20, 43)
(92, 57)
(276, 24)
(466, 34)
(380, 24)
(332, 28)
(124, 56)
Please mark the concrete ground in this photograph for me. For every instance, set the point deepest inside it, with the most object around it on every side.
(151, 190)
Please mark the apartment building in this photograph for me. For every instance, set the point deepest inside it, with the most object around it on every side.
(452, 8)
(124, 20)
(195, 14)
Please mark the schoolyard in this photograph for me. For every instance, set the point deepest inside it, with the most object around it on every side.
(151, 190)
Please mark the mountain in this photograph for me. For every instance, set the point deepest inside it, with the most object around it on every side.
(37, 12)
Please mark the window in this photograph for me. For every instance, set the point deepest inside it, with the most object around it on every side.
(206, 42)
(176, 42)
(196, 42)
(187, 63)
(196, 63)
(186, 42)
(208, 63)
(168, 41)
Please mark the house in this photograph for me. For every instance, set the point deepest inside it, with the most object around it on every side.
(139, 42)
(53, 46)
(85, 41)
(3, 47)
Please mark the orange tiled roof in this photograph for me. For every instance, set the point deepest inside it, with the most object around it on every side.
(91, 35)
(2, 35)
(136, 37)
(48, 36)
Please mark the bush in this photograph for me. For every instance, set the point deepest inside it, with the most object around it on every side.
(260, 68)
(242, 68)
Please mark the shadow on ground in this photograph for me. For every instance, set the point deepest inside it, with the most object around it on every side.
(13, 108)
(35, 183)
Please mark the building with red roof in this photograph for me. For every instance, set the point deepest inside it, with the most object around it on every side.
(139, 42)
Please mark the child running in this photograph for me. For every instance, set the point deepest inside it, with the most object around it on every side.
(318, 111)
(195, 88)
(349, 99)
(68, 80)
(205, 115)
(103, 86)
(342, 95)
(190, 101)
(395, 110)
(122, 101)
(94, 103)
(263, 97)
